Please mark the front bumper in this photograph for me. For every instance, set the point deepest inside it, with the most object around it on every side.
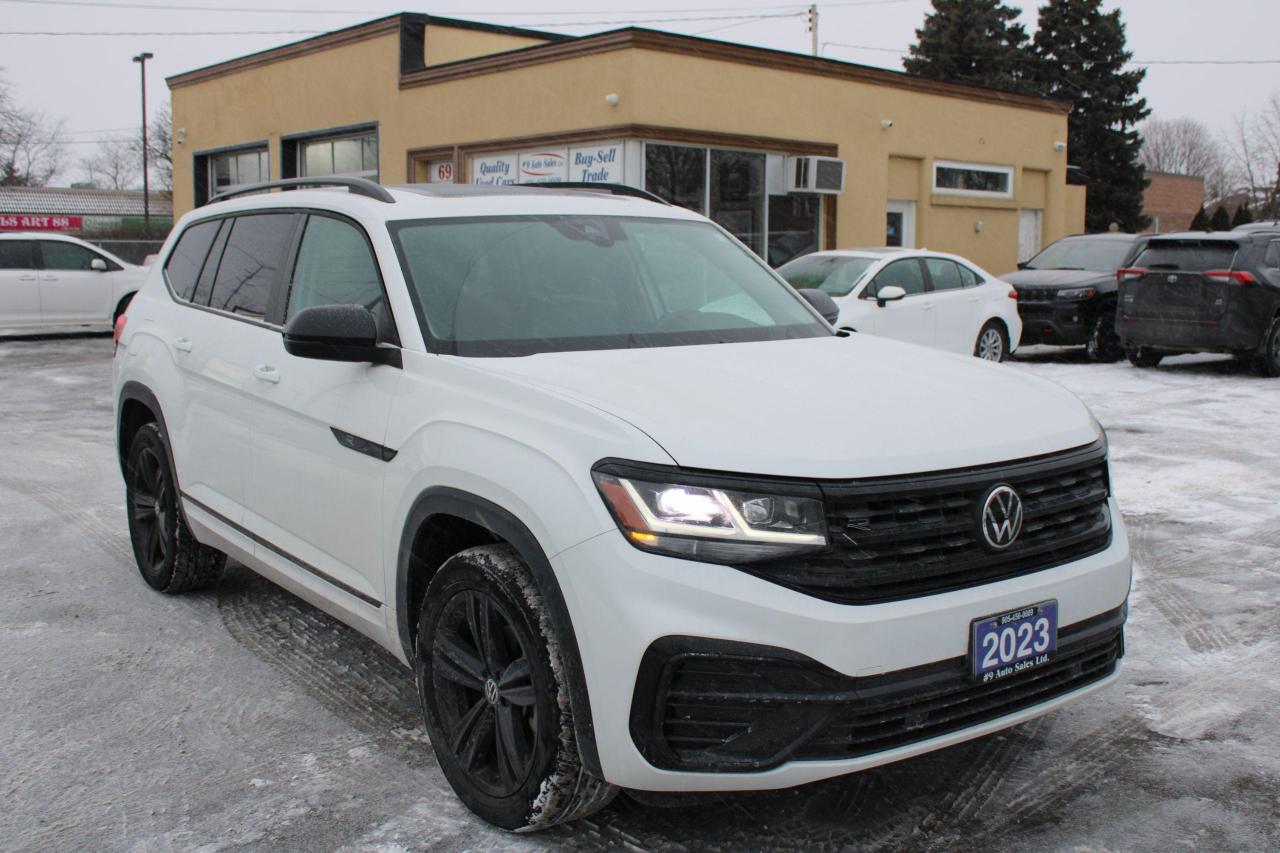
(1055, 323)
(623, 601)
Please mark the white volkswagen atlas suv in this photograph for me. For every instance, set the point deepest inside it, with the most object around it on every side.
(632, 512)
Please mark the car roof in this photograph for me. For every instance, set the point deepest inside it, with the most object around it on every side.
(439, 201)
(885, 253)
(1113, 236)
(1233, 236)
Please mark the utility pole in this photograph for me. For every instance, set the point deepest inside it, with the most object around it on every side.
(141, 59)
(813, 26)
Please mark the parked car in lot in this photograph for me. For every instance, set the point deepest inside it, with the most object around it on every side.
(921, 297)
(51, 281)
(1067, 292)
(1204, 292)
(632, 511)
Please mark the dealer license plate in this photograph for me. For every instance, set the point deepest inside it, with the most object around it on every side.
(1013, 642)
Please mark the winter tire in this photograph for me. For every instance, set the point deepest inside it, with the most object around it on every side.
(168, 556)
(1103, 345)
(497, 710)
(1142, 357)
(992, 343)
(1269, 359)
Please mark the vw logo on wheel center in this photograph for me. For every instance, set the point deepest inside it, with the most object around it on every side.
(1001, 517)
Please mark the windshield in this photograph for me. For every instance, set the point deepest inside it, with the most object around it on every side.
(519, 285)
(834, 275)
(1082, 253)
(1188, 255)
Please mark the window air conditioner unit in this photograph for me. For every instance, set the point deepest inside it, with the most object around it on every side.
(815, 175)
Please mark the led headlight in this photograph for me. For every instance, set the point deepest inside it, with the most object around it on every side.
(701, 520)
(1077, 294)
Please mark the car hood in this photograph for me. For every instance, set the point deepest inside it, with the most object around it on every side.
(820, 407)
(1057, 278)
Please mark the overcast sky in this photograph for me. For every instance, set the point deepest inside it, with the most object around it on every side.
(90, 81)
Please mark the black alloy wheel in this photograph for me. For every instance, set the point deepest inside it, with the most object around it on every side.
(490, 679)
(1269, 360)
(484, 692)
(151, 509)
(1103, 345)
(168, 555)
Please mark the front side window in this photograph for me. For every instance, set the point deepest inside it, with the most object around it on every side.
(58, 255)
(336, 266)
(972, 179)
(188, 257)
(944, 274)
(905, 274)
(832, 274)
(506, 286)
(16, 255)
(251, 262)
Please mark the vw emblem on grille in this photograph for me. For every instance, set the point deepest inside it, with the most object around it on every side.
(1173, 279)
(1001, 520)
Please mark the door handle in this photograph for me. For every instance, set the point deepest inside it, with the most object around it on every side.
(974, 298)
(26, 278)
(183, 344)
(50, 278)
(926, 306)
(267, 373)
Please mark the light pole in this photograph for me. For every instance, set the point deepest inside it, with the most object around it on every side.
(141, 59)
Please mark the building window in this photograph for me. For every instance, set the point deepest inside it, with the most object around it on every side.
(236, 169)
(972, 179)
(730, 188)
(737, 196)
(349, 156)
(678, 174)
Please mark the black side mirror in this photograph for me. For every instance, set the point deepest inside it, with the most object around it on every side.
(822, 303)
(1022, 265)
(337, 333)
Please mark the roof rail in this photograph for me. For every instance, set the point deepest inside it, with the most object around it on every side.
(601, 186)
(357, 186)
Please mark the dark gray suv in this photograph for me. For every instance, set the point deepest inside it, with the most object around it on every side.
(1204, 292)
(1067, 293)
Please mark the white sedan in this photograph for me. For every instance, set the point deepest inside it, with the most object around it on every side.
(929, 298)
(52, 281)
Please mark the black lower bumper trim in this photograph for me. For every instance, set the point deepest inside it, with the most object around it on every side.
(713, 705)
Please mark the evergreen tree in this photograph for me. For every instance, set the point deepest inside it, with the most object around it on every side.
(1243, 216)
(1080, 57)
(1200, 222)
(972, 41)
(1221, 220)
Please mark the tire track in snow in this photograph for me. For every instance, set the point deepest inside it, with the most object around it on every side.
(114, 539)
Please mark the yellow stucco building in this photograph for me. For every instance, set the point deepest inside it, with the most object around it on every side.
(740, 133)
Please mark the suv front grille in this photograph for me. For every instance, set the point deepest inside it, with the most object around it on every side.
(1035, 294)
(711, 705)
(904, 537)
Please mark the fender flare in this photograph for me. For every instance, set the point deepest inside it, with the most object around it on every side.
(443, 500)
(137, 392)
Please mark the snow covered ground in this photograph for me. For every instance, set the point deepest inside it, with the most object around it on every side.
(243, 718)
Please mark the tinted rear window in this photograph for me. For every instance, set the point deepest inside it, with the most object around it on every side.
(251, 263)
(1188, 255)
(183, 267)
